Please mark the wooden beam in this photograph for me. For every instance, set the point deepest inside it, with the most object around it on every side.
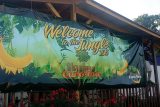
(99, 20)
(51, 1)
(155, 70)
(121, 18)
(53, 10)
(89, 21)
(73, 11)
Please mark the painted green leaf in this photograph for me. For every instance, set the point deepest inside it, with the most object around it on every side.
(111, 47)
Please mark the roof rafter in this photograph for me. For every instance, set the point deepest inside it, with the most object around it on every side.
(56, 1)
(99, 20)
(53, 10)
(89, 21)
(123, 19)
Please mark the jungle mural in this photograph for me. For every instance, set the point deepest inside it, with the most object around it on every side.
(32, 48)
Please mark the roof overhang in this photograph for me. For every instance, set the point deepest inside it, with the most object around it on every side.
(118, 20)
(98, 13)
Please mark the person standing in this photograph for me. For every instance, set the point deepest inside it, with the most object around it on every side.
(148, 58)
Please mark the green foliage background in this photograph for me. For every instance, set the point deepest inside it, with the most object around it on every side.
(50, 55)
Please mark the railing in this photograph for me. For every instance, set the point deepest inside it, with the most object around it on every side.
(111, 97)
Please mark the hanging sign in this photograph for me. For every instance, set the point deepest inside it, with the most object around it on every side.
(32, 51)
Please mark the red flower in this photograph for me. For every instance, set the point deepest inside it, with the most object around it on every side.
(74, 94)
(11, 105)
(123, 98)
(53, 93)
(52, 98)
(62, 90)
(106, 102)
(113, 100)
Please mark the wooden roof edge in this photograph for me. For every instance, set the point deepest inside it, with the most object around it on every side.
(51, 1)
(104, 9)
(122, 18)
(56, 1)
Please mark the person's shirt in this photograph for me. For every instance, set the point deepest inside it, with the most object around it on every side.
(147, 53)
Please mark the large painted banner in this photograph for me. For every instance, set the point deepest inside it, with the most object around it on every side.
(62, 52)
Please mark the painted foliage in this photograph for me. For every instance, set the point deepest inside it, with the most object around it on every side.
(33, 49)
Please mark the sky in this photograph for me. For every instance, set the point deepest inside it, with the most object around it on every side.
(132, 8)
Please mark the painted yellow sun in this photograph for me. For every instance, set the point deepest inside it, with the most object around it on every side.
(12, 64)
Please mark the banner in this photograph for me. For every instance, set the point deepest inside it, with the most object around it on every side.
(62, 52)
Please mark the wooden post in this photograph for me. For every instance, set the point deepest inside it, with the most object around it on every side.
(155, 71)
(73, 11)
(29, 98)
(13, 98)
(155, 67)
(21, 100)
(4, 102)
